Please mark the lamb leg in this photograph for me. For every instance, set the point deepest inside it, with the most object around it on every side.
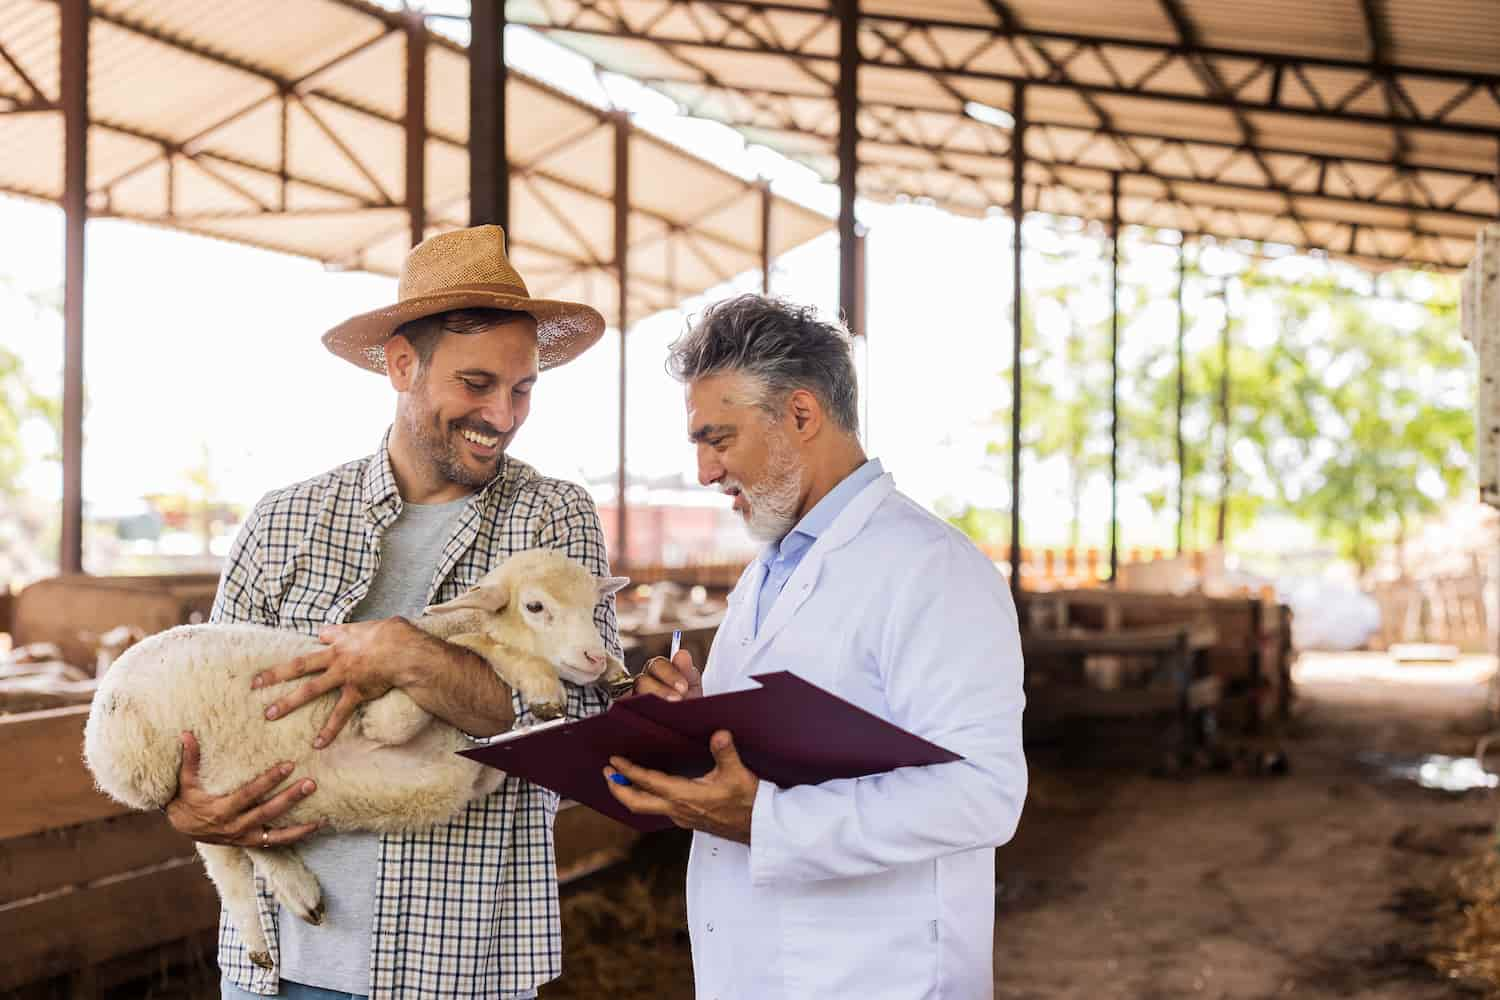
(234, 877)
(290, 881)
(530, 676)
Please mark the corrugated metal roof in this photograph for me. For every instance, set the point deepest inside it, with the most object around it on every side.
(1364, 129)
(280, 123)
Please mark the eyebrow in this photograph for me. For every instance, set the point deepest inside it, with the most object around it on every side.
(710, 430)
(486, 373)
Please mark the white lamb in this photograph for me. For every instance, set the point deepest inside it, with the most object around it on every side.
(393, 767)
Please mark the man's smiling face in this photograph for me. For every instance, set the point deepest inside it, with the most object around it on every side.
(467, 402)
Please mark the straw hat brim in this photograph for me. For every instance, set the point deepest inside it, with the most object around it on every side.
(564, 330)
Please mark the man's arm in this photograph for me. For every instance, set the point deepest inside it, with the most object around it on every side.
(367, 659)
(364, 660)
(950, 657)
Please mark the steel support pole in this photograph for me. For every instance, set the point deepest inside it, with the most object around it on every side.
(848, 103)
(1222, 534)
(416, 125)
(858, 321)
(622, 279)
(1181, 393)
(74, 79)
(1114, 377)
(1017, 214)
(766, 200)
(489, 167)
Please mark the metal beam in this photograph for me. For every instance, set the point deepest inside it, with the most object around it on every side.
(898, 112)
(416, 126)
(1196, 228)
(1288, 183)
(861, 323)
(1287, 193)
(1156, 84)
(38, 99)
(1181, 390)
(489, 181)
(1114, 379)
(622, 278)
(859, 319)
(766, 201)
(848, 102)
(73, 72)
(1017, 215)
(1377, 28)
(1221, 535)
(999, 30)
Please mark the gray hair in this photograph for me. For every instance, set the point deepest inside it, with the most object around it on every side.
(780, 345)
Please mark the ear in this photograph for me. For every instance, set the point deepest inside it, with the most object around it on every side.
(806, 413)
(611, 584)
(401, 362)
(491, 597)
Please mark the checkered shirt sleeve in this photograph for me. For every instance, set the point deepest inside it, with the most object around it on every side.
(468, 908)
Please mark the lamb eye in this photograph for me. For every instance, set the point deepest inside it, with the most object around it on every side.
(535, 607)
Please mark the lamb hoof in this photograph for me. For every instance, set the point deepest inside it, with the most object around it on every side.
(546, 710)
(262, 959)
(307, 913)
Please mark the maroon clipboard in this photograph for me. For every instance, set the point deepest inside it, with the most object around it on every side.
(788, 731)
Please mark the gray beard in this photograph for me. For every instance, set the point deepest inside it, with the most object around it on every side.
(773, 504)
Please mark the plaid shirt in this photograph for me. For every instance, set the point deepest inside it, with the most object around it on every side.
(468, 908)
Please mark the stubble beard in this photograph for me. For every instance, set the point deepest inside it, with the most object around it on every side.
(434, 441)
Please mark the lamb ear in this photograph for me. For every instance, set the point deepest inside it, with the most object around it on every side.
(492, 598)
(611, 584)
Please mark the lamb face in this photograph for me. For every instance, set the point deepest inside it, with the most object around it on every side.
(560, 614)
(552, 598)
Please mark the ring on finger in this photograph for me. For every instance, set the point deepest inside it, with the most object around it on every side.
(265, 836)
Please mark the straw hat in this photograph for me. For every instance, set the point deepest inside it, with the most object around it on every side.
(465, 269)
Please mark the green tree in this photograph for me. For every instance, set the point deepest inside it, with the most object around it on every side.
(21, 401)
(1375, 427)
(1064, 393)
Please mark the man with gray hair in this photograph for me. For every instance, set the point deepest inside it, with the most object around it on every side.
(876, 887)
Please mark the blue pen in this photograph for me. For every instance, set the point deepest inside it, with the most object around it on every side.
(617, 777)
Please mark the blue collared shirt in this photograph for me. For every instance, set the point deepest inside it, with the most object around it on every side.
(783, 558)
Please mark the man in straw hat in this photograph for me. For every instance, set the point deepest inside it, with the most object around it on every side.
(469, 908)
(880, 888)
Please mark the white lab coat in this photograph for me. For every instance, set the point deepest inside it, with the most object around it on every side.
(877, 887)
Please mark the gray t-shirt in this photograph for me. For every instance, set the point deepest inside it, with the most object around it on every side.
(335, 955)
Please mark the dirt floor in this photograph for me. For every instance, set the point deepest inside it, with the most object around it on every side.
(1334, 880)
